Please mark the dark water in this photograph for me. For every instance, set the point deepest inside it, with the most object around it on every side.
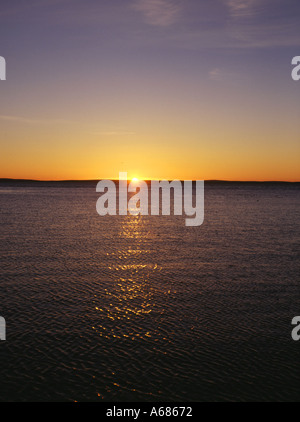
(145, 309)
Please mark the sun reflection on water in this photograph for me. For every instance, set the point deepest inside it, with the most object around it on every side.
(131, 297)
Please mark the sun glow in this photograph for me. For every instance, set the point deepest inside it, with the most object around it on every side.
(135, 179)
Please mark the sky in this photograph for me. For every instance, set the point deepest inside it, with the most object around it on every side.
(161, 89)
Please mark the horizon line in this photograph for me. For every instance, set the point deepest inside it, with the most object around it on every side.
(9, 179)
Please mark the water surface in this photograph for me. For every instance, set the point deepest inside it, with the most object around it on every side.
(143, 308)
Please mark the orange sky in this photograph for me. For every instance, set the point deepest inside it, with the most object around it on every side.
(158, 92)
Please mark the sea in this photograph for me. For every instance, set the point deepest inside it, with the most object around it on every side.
(144, 308)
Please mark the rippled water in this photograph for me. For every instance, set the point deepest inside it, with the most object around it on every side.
(145, 309)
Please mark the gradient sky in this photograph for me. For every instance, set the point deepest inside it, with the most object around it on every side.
(188, 89)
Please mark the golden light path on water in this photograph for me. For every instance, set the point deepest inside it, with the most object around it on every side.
(131, 294)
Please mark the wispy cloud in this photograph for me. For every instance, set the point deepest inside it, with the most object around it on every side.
(18, 119)
(30, 121)
(159, 12)
(242, 8)
(215, 74)
(113, 133)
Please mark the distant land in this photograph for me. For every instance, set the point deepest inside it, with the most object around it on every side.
(83, 183)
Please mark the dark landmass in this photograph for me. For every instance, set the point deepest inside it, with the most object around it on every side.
(5, 182)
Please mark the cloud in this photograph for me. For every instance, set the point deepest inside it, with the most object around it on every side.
(215, 74)
(242, 8)
(18, 119)
(114, 133)
(25, 120)
(159, 12)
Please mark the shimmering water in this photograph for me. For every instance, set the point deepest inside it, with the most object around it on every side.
(142, 308)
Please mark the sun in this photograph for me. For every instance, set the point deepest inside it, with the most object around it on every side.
(135, 179)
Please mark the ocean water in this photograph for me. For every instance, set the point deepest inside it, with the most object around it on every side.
(143, 308)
